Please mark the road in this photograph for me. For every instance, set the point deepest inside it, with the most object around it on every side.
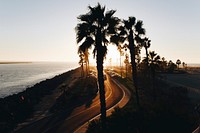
(61, 123)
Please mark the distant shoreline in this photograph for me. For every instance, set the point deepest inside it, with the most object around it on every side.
(15, 62)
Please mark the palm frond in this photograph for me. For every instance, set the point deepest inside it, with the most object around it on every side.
(81, 31)
(114, 39)
(132, 20)
(110, 13)
(104, 51)
(127, 24)
(94, 52)
(139, 28)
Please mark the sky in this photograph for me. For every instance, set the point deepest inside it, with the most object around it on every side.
(43, 30)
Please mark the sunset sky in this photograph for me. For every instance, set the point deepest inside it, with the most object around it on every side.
(43, 30)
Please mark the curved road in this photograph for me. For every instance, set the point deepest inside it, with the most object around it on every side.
(116, 95)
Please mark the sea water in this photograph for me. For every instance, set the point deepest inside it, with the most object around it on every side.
(15, 78)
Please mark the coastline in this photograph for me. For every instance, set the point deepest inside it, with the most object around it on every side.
(16, 78)
(14, 62)
(16, 108)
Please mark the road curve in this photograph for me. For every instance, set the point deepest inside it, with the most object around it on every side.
(116, 95)
(123, 101)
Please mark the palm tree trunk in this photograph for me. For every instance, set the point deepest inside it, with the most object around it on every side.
(120, 64)
(100, 57)
(88, 66)
(82, 70)
(101, 91)
(133, 63)
(126, 70)
(147, 59)
(147, 62)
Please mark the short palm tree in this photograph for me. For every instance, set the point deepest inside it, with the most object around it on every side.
(178, 62)
(85, 53)
(120, 49)
(94, 29)
(81, 62)
(154, 61)
(146, 44)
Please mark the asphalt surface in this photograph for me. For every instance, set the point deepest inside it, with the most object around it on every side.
(62, 123)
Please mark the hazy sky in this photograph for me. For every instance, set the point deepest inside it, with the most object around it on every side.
(43, 30)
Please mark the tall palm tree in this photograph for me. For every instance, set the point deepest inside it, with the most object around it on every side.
(133, 29)
(94, 29)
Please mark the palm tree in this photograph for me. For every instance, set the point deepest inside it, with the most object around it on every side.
(120, 60)
(184, 65)
(85, 54)
(146, 44)
(126, 62)
(133, 29)
(163, 65)
(171, 66)
(81, 62)
(178, 62)
(94, 29)
(154, 61)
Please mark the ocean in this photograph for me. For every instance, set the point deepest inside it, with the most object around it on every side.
(15, 78)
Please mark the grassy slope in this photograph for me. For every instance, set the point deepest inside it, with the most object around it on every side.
(166, 110)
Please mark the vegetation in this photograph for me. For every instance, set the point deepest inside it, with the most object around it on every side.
(17, 108)
(82, 92)
(99, 28)
(95, 29)
(172, 111)
(178, 62)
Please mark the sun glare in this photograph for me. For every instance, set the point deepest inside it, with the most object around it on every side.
(112, 55)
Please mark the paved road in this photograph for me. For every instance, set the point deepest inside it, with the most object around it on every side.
(61, 123)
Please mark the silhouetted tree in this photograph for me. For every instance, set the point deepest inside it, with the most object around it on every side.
(120, 49)
(85, 57)
(95, 28)
(163, 64)
(171, 66)
(146, 43)
(81, 62)
(178, 62)
(126, 62)
(154, 61)
(183, 63)
(133, 29)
